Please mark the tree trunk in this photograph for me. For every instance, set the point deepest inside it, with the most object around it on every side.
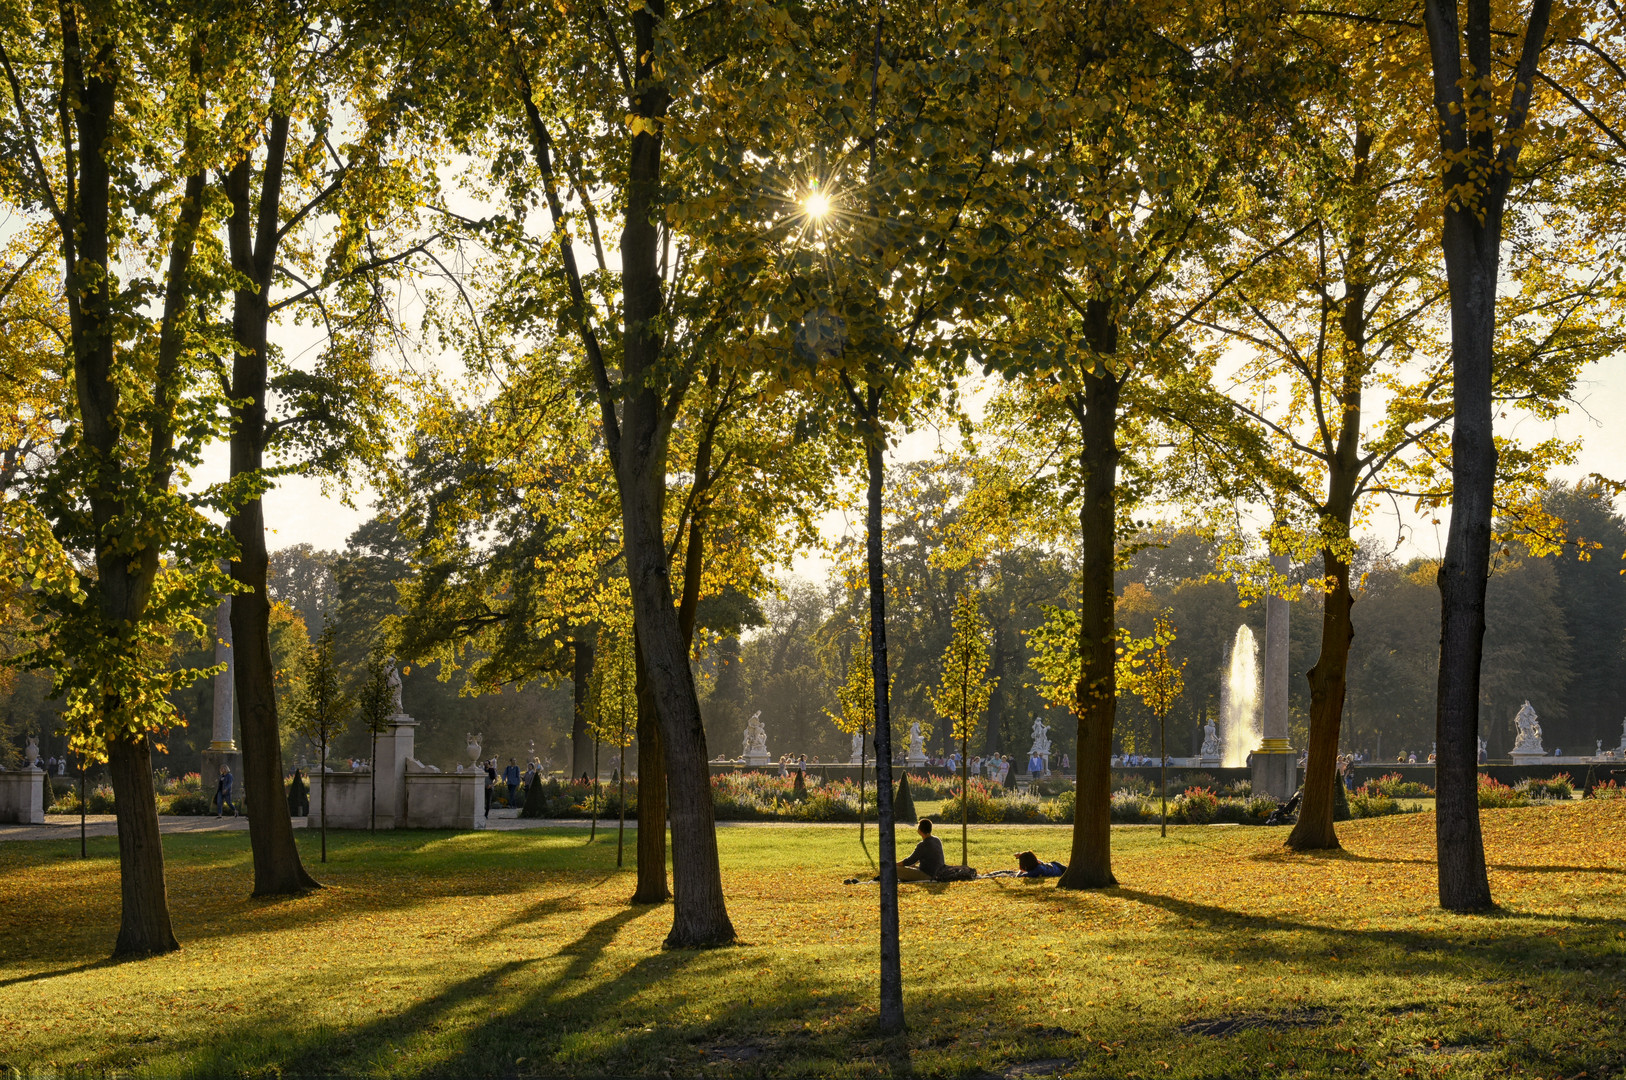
(699, 913)
(278, 870)
(144, 926)
(1314, 829)
(1475, 182)
(891, 1018)
(581, 678)
(1090, 866)
(1463, 882)
(651, 887)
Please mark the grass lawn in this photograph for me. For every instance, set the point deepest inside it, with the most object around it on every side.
(514, 953)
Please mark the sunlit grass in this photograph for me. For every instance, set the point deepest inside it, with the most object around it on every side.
(516, 953)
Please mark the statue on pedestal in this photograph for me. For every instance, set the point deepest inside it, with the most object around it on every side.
(31, 752)
(755, 750)
(473, 745)
(857, 757)
(393, 681)
(1211, 742)
(1529, 739)
(917, 745)
(1041, 740)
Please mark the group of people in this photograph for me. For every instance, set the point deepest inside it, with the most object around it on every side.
(926, 862)
(1130, 760)
(53, 766)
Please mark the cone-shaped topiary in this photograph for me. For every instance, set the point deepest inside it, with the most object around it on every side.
(903, 805)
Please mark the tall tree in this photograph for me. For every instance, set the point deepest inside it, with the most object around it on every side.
(293, 175)
(1479, 144)
(1136, 190)
(119, 172)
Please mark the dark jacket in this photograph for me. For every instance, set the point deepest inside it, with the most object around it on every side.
(928, 854)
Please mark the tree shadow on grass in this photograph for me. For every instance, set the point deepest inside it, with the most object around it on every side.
(568, 1013)
(89, 965)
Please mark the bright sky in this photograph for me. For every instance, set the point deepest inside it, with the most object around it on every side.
(298, 512)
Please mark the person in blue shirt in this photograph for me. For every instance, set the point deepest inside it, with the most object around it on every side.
(510, 776)
(1028, 865)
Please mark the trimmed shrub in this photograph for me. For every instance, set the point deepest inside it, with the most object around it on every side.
(1557, 787)
(188, 802)
(1367, 806)
(1340, 801)
(536, 805)
(903, 803)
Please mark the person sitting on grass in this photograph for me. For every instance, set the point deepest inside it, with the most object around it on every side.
(927, 858)
(1028, 865)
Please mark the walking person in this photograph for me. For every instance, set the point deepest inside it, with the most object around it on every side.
(223, 793)
(510, 776)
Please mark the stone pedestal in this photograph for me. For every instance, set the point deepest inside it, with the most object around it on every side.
(915, 761)
(396, 747)
(755, 759)
(1276, 770)
(1532, 759)
(1275, 762)
(22, 796)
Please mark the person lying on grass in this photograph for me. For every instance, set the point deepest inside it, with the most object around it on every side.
(927, 858)
(1028, 865)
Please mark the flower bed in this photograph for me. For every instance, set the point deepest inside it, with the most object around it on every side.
(1393, 786)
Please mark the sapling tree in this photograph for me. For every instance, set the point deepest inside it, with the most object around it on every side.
(963, 693)
(615, 712)
(375, 705)
(322, 710)
(1158, 681)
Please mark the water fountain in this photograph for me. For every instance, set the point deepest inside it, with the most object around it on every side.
(1239, 699)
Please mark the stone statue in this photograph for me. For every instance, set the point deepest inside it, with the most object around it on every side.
(1623, 738)
(393, 681)
(1529, 740)
(1041, 740)
(917, 746)
(473, 745)
(1600, 748)
(858, 749)
(1211, 742)
(31, 752)
(414, 765)
(755, 750)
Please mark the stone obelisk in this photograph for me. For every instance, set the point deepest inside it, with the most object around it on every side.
(1275, 763)
(223, 746)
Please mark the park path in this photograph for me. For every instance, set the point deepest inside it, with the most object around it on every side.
(67, 828)
(64, 827)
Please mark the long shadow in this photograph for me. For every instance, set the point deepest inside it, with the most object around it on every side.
(1345, 855)
(551, 905)
(89, 965)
